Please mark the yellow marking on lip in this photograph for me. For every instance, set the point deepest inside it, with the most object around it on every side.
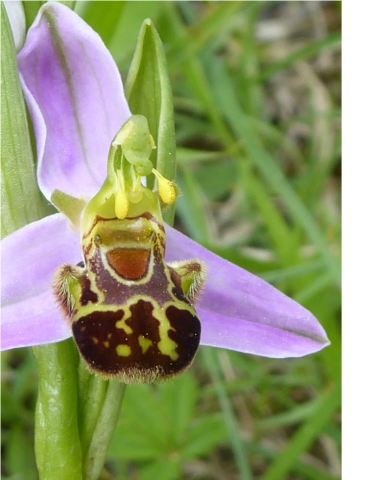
(106, 344)
(123, 350)
(95, 340)
(109, 336)
(121, 324)
(166, 345)
(145, 343)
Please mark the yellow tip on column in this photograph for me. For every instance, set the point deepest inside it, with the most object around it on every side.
(166, 188)
(121, 204)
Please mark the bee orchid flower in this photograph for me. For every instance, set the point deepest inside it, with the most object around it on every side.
(75, 97)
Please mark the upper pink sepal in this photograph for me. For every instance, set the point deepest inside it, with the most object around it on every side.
(76, 100)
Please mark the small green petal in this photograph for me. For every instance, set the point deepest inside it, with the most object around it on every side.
(71, 207)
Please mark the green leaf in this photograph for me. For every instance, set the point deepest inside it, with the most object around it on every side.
(291, 417)
(301, 470)
(69, 4)
(191, 207)
(128, 26)
(179, 398)
(217, 179)
(19, 454)
(204, 436)
(21, 201)
(31, 9)
(129, 444)
(334, 39)
(102, 17)
(148, 92)
(267, 165)
(328, 404)
(155, 420)
(283, 239)
(239, 450)
(200, 34)
(194, 74)
(164, 469)
(142, 430)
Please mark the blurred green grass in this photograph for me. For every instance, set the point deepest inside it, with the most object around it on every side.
(257, 96)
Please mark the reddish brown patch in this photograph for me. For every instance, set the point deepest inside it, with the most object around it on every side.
(129, 263)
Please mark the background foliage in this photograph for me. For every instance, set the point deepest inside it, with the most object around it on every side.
(257, 97)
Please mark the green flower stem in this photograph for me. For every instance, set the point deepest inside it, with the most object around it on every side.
(101, 418)
(99, 406)
(57, 443)
(92, 391)
(76, 415)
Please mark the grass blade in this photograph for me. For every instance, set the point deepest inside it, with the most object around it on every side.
(327, 407)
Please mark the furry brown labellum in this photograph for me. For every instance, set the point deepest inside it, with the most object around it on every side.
(131, 313)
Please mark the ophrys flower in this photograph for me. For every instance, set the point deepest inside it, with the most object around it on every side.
(75, 97)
